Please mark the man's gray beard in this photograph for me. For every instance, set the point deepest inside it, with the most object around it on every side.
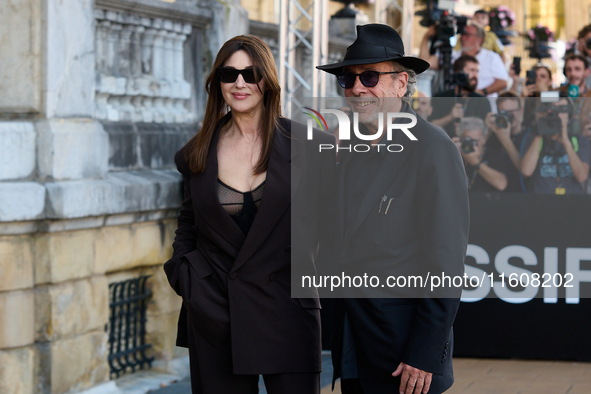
(368, 118)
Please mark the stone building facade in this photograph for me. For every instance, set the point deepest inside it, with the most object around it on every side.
(97, 96)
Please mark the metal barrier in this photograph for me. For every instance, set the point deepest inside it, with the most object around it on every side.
(127, 326)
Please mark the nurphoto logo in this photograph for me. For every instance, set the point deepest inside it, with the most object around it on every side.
(344, 130)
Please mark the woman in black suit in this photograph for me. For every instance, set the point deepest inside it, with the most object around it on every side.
(233, 253)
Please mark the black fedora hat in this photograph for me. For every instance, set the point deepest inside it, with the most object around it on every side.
(376, 43)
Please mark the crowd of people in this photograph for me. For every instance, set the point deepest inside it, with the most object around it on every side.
(514, 135)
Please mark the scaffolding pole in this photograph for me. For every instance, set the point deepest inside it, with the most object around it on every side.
(303, 30)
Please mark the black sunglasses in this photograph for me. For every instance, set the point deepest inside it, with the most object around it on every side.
(369, 79)
(230, 75)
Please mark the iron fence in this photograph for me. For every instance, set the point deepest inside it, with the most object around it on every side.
(127, 326)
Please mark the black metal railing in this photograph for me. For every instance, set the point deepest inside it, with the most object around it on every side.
(127, 326)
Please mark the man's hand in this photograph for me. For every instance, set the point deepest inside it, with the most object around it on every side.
(413, 380)
(564, 139)
(431, 31)
(457, 111)
(472, 158)
(513, 75)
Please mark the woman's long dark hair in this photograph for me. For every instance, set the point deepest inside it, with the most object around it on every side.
(262, 58)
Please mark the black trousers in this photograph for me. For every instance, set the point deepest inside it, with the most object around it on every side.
(211, 373)
(351, 386)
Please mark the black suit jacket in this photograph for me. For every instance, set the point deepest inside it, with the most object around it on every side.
(236, 288)
(426, 229)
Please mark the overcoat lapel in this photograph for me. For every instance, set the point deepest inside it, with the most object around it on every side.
(207, 204)
(276, 197)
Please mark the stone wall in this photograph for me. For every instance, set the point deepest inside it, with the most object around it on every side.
(97, 97)
(54, 297)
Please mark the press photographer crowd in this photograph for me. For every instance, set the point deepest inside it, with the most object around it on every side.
(521, 135)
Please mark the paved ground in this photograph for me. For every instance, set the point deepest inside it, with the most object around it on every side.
(479, 376)
(520, 377)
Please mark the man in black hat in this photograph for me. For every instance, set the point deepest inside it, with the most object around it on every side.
(402, 212)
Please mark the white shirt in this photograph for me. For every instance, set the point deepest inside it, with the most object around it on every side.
(491, 68)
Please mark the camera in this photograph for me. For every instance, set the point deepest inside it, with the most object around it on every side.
(538, 49)
(468, 145)
(550, 124)
(461, 80)
(440, 13)
(503, 119)
(588, 43)
(447, 25)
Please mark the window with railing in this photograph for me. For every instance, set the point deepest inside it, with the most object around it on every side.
(127, 326)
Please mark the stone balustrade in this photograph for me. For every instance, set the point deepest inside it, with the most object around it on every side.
(140, 69)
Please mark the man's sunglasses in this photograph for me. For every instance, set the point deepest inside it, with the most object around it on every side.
(230, 75)
(369, 79)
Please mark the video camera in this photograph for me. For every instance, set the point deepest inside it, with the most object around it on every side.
(550, 124)
(538, 49)
(440, 13)
(461, 79)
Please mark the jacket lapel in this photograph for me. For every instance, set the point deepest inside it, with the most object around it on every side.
(276, 197)
(207, 203)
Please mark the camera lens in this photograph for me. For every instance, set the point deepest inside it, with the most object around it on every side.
(501, 121)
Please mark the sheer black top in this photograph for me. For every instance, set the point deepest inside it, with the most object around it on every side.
(241, 206)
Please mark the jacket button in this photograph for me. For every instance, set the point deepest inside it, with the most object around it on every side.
(233, 275)
(288, 248)
(272, 277)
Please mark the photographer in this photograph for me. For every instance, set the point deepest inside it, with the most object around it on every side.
(576, 70)
(483, 174)
(425, 47)
(491, 41)
(542, 81)
(583, 47)
(492, 77)
(556, 160)
(437, 75)
(448, 112)
(507, 134)
(532, 87)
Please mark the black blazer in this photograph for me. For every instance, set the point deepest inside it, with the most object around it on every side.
(236, 288)
(426, 226)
